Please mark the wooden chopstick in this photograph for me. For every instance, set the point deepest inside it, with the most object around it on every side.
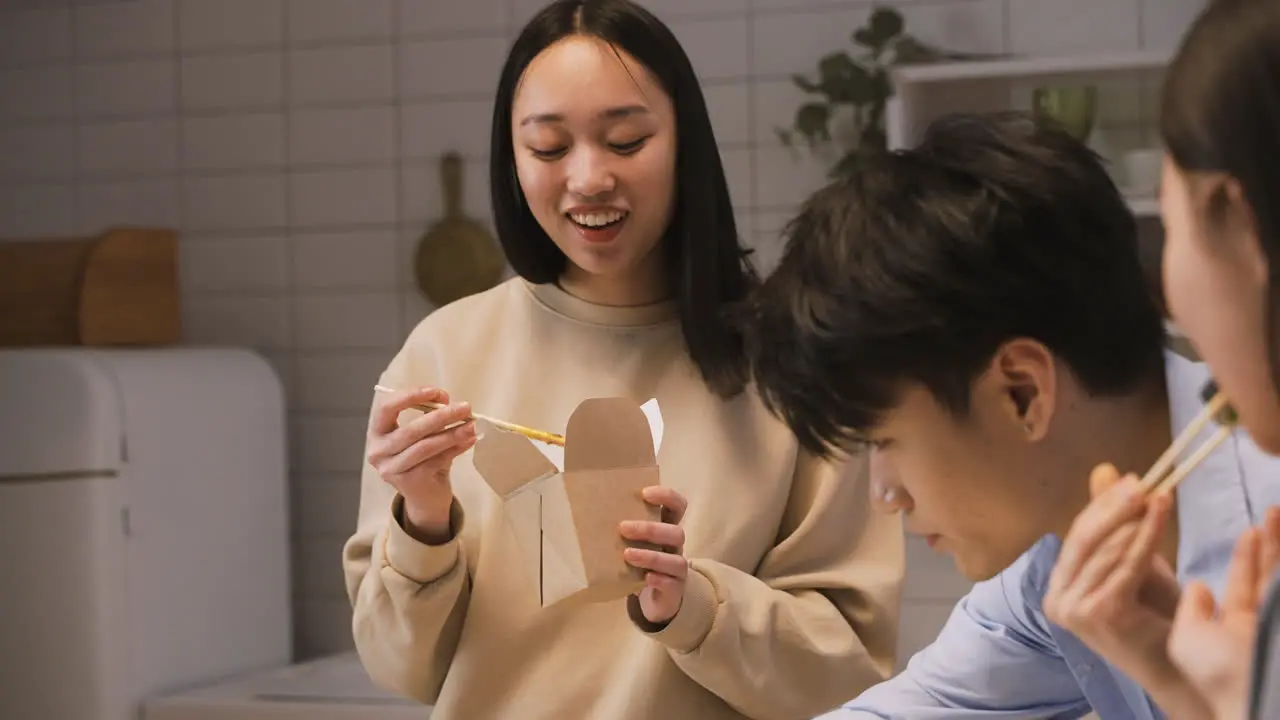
(539, 435)
(1164, 476)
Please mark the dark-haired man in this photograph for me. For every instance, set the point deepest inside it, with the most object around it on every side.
(974, 312)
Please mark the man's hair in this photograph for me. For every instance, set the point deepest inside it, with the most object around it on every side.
(916, 268)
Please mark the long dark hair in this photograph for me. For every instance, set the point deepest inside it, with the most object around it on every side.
(707, 264)
(1220, 112)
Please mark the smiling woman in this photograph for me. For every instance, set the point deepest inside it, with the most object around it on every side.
(596, 163)
(772, 590)
(592, 90)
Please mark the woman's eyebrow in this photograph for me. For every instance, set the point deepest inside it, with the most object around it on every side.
(612, 113)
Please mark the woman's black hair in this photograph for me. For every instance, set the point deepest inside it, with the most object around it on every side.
(708, 266)
(1220, 112)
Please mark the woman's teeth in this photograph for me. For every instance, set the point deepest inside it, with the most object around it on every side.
(597, 219)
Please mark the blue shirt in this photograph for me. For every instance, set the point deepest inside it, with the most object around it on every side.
(999, 657)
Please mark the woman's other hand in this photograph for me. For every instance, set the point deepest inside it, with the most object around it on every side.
(666, 569)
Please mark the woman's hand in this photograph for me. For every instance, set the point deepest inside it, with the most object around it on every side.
(1213, 646)
(1112, 589)
(664, 582)
(415, 458)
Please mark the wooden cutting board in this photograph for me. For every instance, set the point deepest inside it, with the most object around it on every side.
(457, 256)
(118, 288)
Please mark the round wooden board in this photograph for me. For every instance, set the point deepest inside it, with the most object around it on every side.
(457, 256)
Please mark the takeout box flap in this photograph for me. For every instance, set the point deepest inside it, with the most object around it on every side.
(608, 433)
(508, 462)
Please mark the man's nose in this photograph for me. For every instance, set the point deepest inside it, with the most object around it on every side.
(887, 498)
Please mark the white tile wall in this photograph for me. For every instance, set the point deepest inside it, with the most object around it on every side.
(294, 143)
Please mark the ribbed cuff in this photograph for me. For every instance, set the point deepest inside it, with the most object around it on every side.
(693, 622)
(416, 560)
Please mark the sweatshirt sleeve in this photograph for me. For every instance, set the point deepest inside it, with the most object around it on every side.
(408, 598)
(817, 622)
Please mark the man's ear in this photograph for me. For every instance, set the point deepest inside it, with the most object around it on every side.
(1025, 375)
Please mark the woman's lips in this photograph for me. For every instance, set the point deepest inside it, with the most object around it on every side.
(599, 234)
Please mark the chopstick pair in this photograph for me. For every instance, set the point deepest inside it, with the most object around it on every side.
(539, 435)
(1164, 476)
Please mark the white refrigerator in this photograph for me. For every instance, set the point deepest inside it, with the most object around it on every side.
(144, 534)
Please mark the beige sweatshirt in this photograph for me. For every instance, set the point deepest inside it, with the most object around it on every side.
(792, 605)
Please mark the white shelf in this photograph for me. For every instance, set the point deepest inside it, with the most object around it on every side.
(1028, 68)
(923, 93)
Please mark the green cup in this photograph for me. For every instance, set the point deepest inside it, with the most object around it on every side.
(1074, 107)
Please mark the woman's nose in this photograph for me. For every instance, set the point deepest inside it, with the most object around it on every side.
(590, 175)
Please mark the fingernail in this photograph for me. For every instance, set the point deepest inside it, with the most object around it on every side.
(629, 525)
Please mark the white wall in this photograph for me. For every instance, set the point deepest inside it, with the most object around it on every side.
(293, 143)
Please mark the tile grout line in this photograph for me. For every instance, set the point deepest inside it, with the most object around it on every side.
(286, 200)
(1141, 25)
(397, 102)
(1143, 81)
(180, 162)
(823, 8)
(1006, 35)
(753, 159)
(477, 97)
(77, 159)
(297, 598)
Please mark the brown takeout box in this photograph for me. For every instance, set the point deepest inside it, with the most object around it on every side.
(566, 523)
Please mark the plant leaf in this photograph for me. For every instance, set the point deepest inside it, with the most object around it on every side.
(845, 81)
(806, 84)
(885, 24)
(865, 38)
(812, 122)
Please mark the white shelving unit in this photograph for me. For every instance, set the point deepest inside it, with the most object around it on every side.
(925, 92)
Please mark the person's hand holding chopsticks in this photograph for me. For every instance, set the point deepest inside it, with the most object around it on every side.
(1113, 590)
(415, 458)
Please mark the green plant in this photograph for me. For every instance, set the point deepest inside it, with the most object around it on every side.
(859, 84)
